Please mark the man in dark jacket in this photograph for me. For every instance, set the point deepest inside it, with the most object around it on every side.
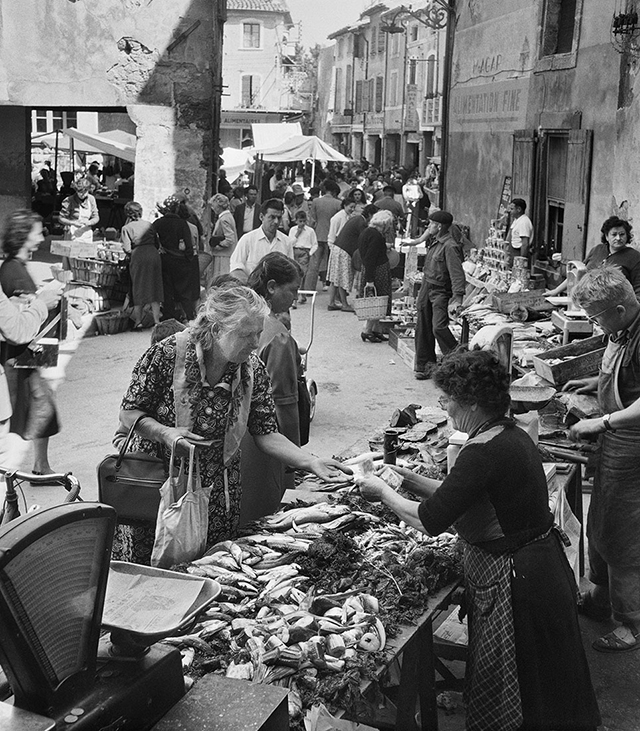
(247, 214)
(441, 293)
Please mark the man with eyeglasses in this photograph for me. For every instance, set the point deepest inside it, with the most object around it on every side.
(613, 523)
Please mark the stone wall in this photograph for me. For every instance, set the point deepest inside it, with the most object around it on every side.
(157, 59)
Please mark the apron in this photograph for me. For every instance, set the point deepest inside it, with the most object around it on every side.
(613, 524)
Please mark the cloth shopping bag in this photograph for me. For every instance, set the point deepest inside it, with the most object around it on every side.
(181, 527)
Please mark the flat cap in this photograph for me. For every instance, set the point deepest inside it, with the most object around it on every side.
(442, 217)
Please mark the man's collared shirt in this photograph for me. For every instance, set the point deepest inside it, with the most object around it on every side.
(249, 212)
(254, 245)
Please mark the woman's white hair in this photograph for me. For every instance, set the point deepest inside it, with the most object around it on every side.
(220, 199)
(382, 220)
(224, 309)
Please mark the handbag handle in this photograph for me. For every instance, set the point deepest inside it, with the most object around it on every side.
(125, 446)
(372, 287)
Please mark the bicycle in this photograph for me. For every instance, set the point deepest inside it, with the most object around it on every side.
(14, 479)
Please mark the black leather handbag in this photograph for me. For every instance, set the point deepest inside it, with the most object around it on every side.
(130, 482)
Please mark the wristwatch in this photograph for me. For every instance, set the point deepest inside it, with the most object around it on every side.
(606, 420)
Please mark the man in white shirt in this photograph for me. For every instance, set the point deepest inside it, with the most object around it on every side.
(256, 244)
(520, 231)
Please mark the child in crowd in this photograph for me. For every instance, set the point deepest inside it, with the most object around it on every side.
(304, 242)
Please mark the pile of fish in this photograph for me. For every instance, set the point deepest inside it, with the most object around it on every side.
(270, 622)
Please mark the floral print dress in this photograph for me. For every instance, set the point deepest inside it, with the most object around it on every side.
(151, 391)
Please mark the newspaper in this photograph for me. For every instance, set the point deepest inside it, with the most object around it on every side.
(148, 604)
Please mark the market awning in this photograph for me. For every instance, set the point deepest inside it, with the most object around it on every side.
(236, 162)
(266, 136)
(116, 142)
(301, 147)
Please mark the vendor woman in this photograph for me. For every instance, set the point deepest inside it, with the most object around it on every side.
(79, 212)
(613, 524)
(527, 668)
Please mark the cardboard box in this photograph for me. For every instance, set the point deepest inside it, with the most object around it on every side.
(580, 358)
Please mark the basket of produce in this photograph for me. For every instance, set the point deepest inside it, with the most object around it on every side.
(371, 307)
(110, 323)
(94, 272)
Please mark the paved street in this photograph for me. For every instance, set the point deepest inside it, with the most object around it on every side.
(360, 385)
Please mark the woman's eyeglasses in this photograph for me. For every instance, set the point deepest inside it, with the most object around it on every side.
(594, 318)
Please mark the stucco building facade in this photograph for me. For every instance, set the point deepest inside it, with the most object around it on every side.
(157, 60)
(540, 96)
(261, 76)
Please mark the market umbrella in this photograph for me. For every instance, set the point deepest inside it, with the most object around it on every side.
(302, 147)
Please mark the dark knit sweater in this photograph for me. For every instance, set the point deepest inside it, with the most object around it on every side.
(496, 493)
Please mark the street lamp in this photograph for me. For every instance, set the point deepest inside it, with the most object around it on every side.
(438, 14)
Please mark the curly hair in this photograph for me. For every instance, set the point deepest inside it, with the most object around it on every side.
(133, 211)
(273, 266)
(383, 221)
(18, 225)
(474, 377)
(223, 310)
(615, 222)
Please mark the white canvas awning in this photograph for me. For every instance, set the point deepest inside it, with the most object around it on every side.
(302, 147)
(267, 135)
(116, 142)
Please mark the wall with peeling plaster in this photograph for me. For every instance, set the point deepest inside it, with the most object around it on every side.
(115, 53)
(496, 55)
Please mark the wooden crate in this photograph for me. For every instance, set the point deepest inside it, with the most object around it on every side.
(534, 299)
(404, 346)
(583, 358)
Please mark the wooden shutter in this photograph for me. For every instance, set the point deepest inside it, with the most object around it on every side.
(577, 194)
(523, 165)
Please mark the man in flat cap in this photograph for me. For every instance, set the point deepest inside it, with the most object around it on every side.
(441, 293)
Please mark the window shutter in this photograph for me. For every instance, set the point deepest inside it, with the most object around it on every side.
(366, 96)
(523, 165)
(359, 96)
(577, 193)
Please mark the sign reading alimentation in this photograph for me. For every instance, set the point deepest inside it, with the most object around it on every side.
(500, 105)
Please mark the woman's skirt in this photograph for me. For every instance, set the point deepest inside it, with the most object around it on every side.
(146, 275)
(340, 272)
(552, 672)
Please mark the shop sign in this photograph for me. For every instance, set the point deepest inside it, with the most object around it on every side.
(496, 106)
(411, 118)
(245, 119)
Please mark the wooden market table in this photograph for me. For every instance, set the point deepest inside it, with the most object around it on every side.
(414, 708)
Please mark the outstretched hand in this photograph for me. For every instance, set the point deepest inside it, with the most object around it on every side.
(371, 487)
(329, 470)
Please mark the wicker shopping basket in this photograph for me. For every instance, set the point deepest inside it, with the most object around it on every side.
(94, 272)
(372, 307)
(111, 323)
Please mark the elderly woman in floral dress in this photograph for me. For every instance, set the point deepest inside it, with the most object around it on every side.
(205, 384)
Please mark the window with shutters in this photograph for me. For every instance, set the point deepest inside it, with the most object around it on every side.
(560, 34)
(431, 90)
(338, 91)
(359, 107)
(250, 91)
(348, 89)
(392, 100)
(412, 75)
(379, 92)
(382, 40)
(251, 35)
